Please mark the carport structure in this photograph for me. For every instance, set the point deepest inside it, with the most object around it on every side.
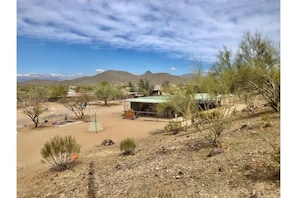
(144, 106)
(147, 106)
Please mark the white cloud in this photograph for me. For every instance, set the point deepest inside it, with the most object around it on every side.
(40, 76)
(180, 28)
(100, 70)
(173, 68)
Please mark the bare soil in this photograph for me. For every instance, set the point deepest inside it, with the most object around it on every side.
(164, 165)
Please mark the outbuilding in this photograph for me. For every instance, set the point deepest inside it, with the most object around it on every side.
(147, 106)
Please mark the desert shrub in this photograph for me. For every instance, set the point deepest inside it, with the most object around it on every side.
(207, 116)
(249, 98)
(216, 130)
(266, 117)
(174, 127)
(60, 152)
(127, 146)
(216, 122)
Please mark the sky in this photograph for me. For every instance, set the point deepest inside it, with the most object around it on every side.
(64, 39)
(27, 46)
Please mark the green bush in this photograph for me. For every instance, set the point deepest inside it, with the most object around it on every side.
(216, 129)
(173, 126)
(216, 122)
(128, 146)
(59, 152)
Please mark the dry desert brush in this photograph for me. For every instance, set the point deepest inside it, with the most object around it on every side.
(216, 121)
(60, 152)
(128, 146)
(174, 126)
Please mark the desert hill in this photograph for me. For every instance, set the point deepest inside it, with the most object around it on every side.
(116, 77)
(164, 164)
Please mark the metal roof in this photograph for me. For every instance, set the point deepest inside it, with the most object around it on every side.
(202, 96)
(161, 99)
(148, 99)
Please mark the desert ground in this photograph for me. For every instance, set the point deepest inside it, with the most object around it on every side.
(30, 141)
(164, 165)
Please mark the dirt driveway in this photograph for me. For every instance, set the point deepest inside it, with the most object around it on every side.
(30, 141)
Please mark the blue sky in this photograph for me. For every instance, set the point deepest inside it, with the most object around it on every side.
(72, 38)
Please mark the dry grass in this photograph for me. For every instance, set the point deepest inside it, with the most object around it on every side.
(166, 165)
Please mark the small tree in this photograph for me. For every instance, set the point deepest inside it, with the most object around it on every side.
(60, 152)
(58, 91)
(34, 98)
(77, 104)
(166, 86)
(33, 111)
(144, 87)
(131, 87)
(183, 102)
(106, 92)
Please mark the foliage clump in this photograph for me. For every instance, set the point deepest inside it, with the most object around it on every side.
(174, 127)
(60, 152)
(128, 146)
(34, 99)
(216, 121)
(77, 104)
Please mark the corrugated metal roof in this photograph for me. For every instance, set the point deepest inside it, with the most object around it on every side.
(202, 96)
(148, 99)
(161, 99)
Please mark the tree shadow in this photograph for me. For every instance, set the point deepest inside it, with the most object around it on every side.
(262, 173)
(160, 131)
(197, 144)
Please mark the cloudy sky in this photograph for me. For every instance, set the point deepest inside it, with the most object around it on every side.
(71, 38)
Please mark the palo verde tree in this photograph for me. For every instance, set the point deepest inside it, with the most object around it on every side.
(204, 82)
(35, 98)
(166, 86)
(121, 93)
(131, 86)
(223, 72)
(255, 69)
(144, 87)
(58, 91)
(260, 56)
(77, 104)
(182, 101)
(106, 92)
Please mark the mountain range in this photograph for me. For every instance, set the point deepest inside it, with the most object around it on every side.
(115, 77)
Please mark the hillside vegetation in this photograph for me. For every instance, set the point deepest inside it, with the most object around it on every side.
(167, 165)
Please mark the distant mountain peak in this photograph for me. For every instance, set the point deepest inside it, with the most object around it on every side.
(148, 72)
(115, 77)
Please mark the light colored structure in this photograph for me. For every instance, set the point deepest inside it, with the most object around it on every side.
(95, 125)
(71, 91)
(148, 105)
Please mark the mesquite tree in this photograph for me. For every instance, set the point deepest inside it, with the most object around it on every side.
(106, 92)
(77, 104)
(35, 97)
